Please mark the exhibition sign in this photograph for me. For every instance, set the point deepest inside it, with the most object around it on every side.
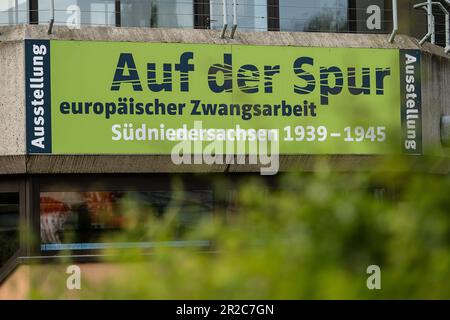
(92, 97)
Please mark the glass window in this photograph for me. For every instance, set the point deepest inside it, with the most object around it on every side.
(251, 15)
(9, 226)
(13, 12)
(89, 12)
(157, 13)
(91, 220)
(313, 15)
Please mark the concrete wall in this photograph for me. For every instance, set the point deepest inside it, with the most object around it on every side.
(435, 84)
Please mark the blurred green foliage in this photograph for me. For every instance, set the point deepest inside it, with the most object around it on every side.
(309, 236)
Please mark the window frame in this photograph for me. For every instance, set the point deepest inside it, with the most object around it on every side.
(273, 15)
(202, 14)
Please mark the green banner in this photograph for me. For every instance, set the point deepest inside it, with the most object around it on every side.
(89, 97)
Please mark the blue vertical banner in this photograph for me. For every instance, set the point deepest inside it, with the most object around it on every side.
(38, 96)
(411, 101)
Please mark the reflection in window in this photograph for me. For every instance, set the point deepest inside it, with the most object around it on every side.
(157, 13)
(251, 14)
(9, 226)
(313, 15)
(83, 220)
(365, 8)
(13, 12)
(91, 12)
